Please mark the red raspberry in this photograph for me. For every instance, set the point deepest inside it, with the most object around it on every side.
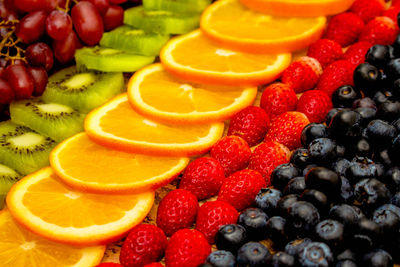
(315, 104)
(187, 248)
(325, 51)
(356, 52)
(241, 188)
(203, 177)
(251, 124)
(212, 215)
(267, 156)
(368, 9)
(232, 152)
(344, 28)
(278, 98)
(177, 210)
(286, 129)
(109, 264)
(395, 2)
(145, 244)
(303, 74)
(380, 30)
(392, 12)
(154, 264)
(335, 75)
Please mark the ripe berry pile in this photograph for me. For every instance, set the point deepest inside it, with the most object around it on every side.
(35, 32)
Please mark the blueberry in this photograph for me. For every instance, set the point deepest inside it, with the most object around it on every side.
(347, 254)
(340, 166)
(285, 202)
(317, 198)
(231, 237)
(281, 259)
(395, 200)
(344, 96)
(313, 131)
(332, 113)
(254, 220)
(221, 258)
(252, 254)
(361, 147)
(295, 247)
(371, 193)
(367, 114)
(380, 170)
(396, 88)
(389, 110)
(308, 168)
(300, 157)
(396, 45)
(360, 168)
(282, 174)
(365, 102)
(316, 254)
(302, 218)
(394, 150)
(267, 200)
(392, 179)
(276, 230)
(381, 97)
(205, 265)
(346, 263)
(367, 78)
(378, 55)
(383, 156)
(369, 228)
(345, 214)
(322, 150)
(396, 123)
(345, 125)
(388, 221)
(381, 133)
(361, 243)
(393, 69)
(340, 150)
(391, 207)
(295, 186)
(346, 191)
(324, 180)
(377, 258)
(330, 232)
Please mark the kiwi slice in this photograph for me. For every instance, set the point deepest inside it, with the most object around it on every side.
(135, 41)
(82, 91)
(23, 149)
(8, 177)
(159, 21)
(110, 60)
(177, 6)
(54, 120)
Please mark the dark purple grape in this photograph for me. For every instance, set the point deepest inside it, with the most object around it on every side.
(58, 25)
(31, 27)
(20, 80)
(101, 5)
(39, 76)
(64, 50)
(113, 18)
(6, 93)
(40, 55)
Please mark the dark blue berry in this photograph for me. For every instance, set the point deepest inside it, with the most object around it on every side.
(221, 258)
(378, 55)
(323, 151)
(285, 202)
(330, 232)
(281, 259)
(295, 186)
(324, 180)
(344, 96)
(378, 258)
(254, 220)
(267, 200)
(252, 254)
(231, 237)
(316, 254)
(276, 231)
(282, 174)
(313, 131)
(300, 157)
(302, 218)
(367, 78)
(371, 193)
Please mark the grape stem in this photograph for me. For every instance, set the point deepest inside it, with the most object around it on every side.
(9, 44)
(67, 6)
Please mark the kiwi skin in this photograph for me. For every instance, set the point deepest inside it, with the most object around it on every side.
(23, 149)
(83, 91)
(8, 177)
(53, 120)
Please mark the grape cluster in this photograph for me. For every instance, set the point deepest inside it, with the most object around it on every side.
(35, 33)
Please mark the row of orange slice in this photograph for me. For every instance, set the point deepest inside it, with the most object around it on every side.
(101, 183)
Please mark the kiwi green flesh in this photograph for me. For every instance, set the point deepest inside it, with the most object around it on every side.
(54, 120)
(83, 91)
(163, 22)
(110, 60)
(23, 149)
(8, 177)
(134, 41)
(177, 6)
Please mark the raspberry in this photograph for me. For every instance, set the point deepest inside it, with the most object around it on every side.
(380, 30)
(335, 75)
(344, 28)
(325, 51)
(368, 9)
(356, 53)
(278, 98)
(315, 104)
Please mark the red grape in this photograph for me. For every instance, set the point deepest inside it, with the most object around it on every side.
(117, 2)
(87, 22)
(101, 5)
(6, 13)
(20, 81)
(58, 24)
(113, 18)
(64, 50)
(31, 27)
(39, 76)
(40, 55)
(6, 93)
(35, 5)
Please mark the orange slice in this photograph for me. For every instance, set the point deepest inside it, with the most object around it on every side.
(118, 126)
(89, 167)
(231, 24)
(193, 57)
(60, 213)
(300, 8)
(19, 247)
(188, 103)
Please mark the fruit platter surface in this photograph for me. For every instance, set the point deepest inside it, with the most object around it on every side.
(199, 133)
